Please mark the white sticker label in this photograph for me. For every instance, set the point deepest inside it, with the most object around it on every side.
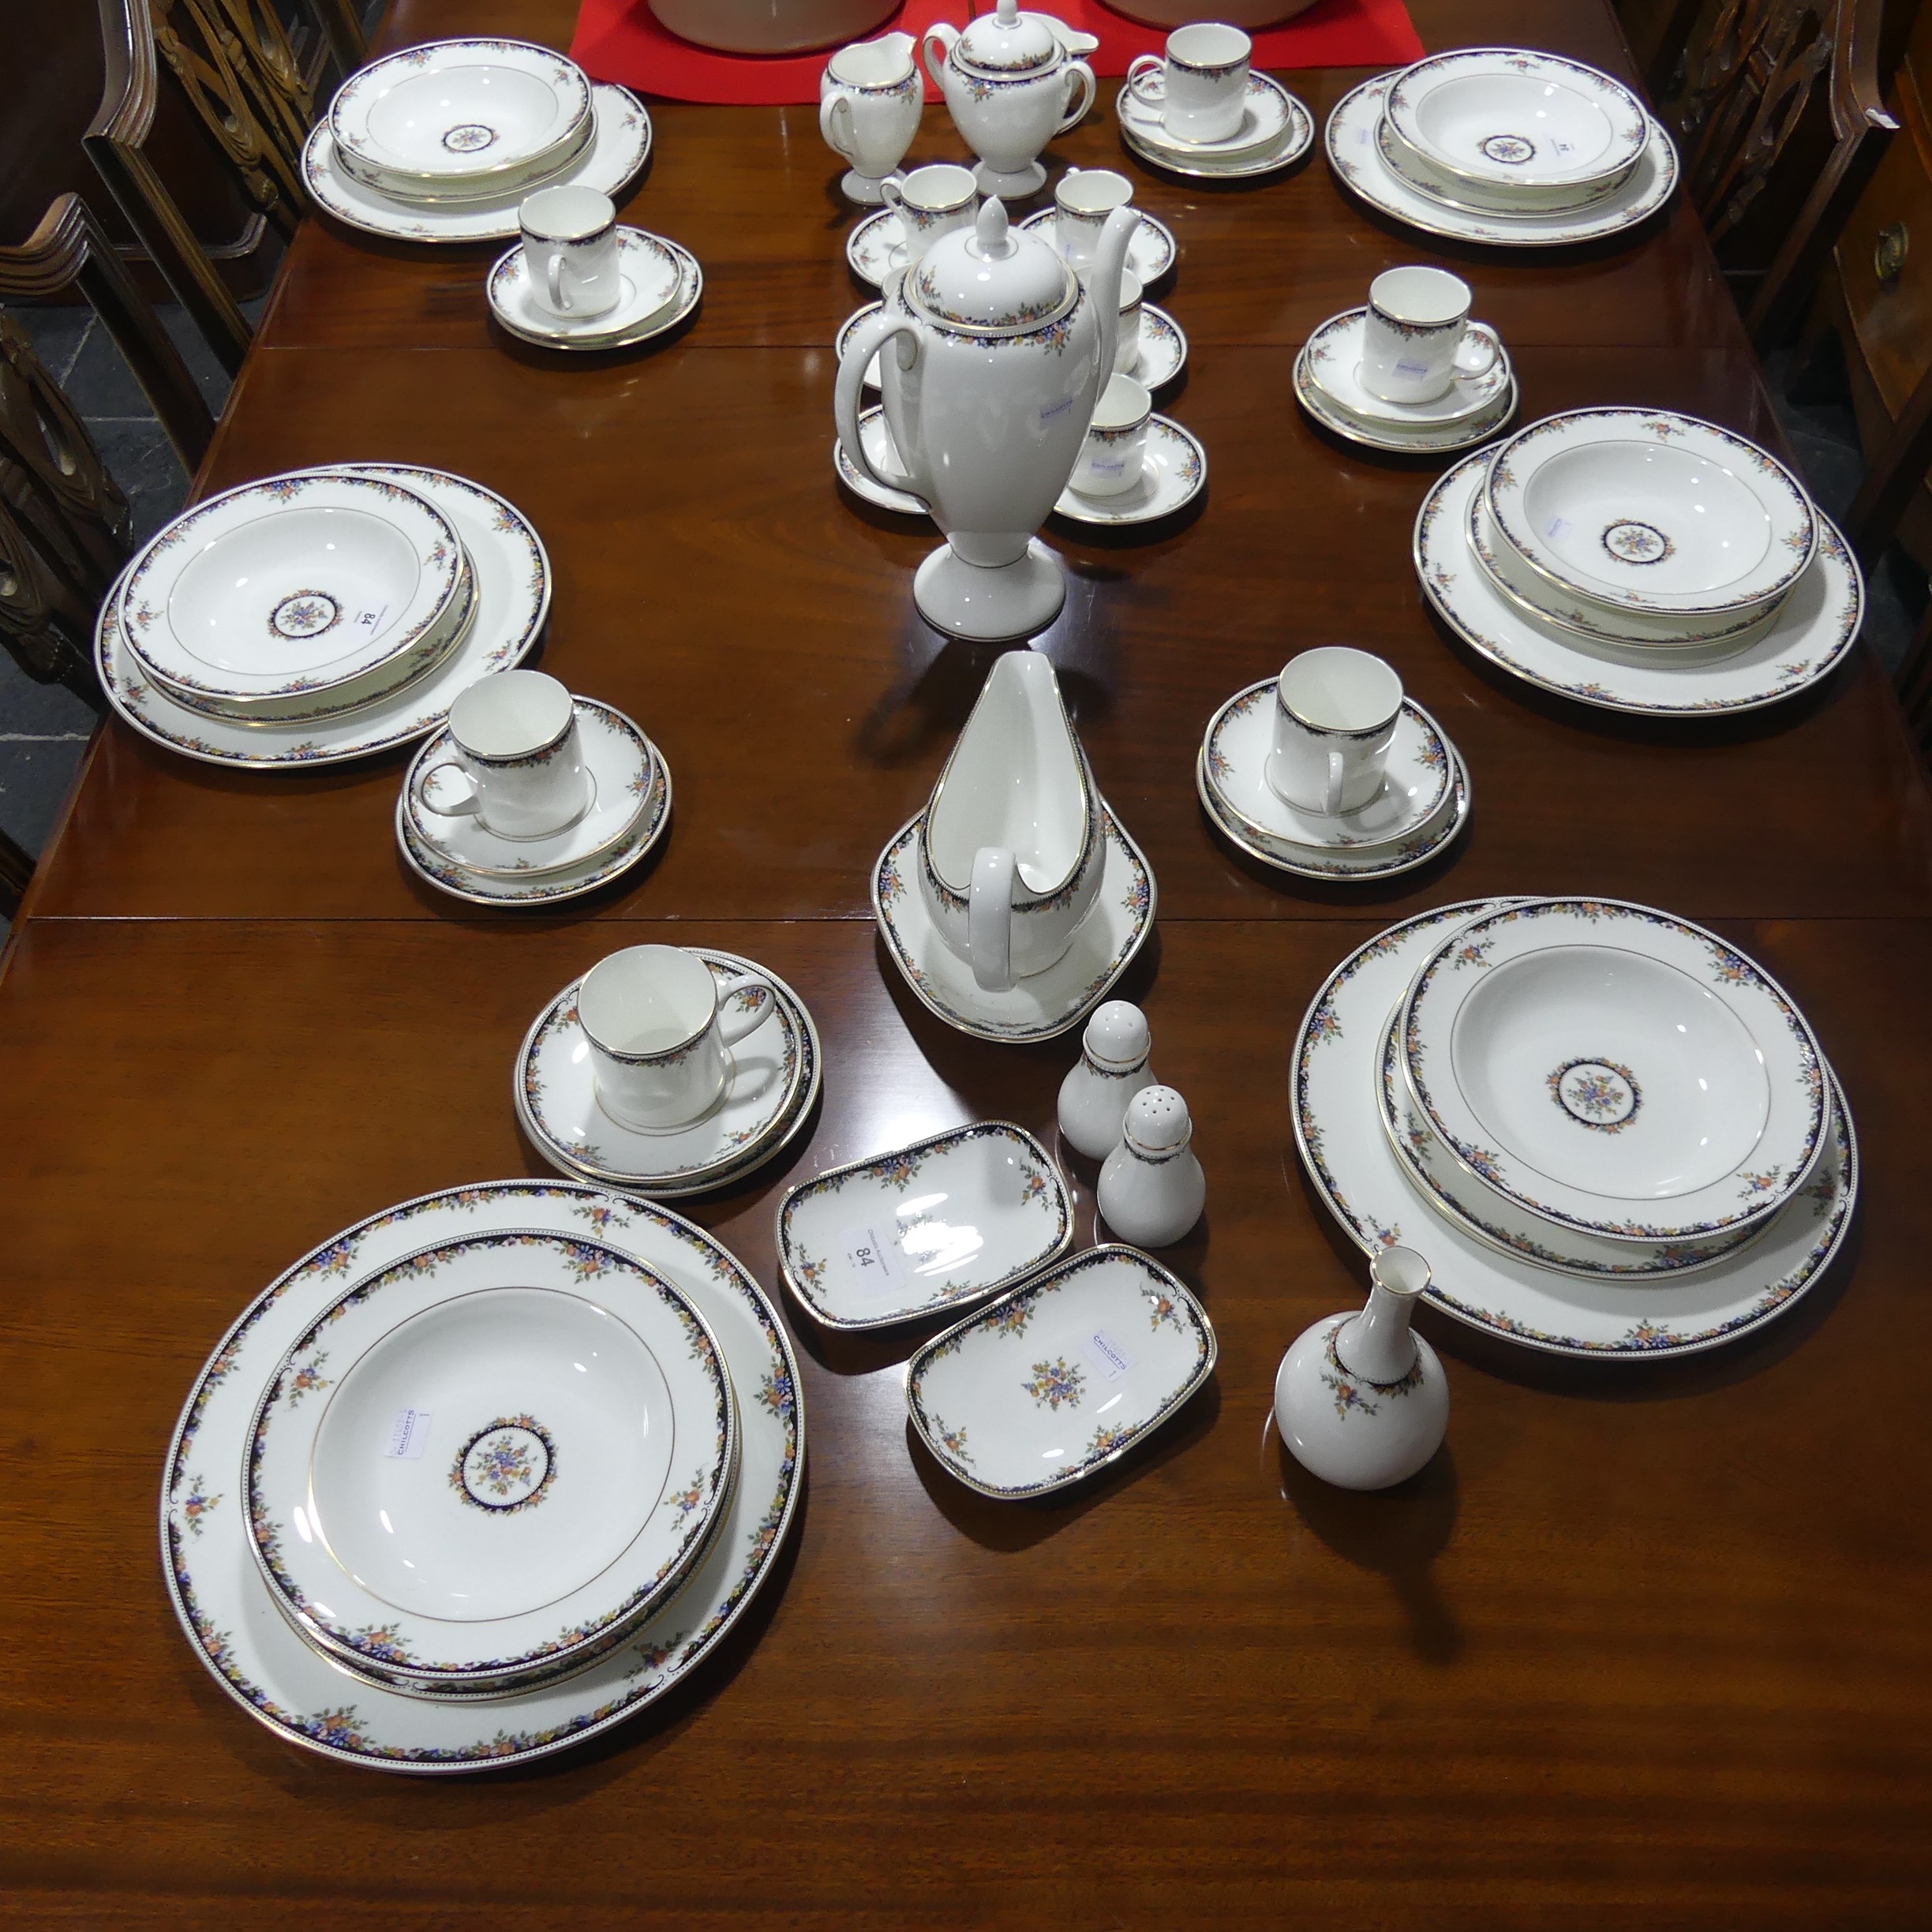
(1564, 147)
(1108, 1356)
(1110, 466)
(877, 1266)
(409, 1434)
(1555, 527)
(1046, 415)
(1414, 371)
(1361, 137)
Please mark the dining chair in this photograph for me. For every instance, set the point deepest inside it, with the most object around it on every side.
(1778, 116)
(66, 529)
(253, 91)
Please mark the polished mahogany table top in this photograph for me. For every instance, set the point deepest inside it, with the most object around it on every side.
(1643, 1645)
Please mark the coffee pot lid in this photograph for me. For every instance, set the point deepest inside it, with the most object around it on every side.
(991, 279)
(1008, 42)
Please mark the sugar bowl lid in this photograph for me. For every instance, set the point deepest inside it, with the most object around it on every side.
(1008, 42)
(989, 280)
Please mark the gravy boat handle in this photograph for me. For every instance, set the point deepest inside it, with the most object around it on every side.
(989, 917)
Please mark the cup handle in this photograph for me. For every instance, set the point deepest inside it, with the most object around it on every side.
(1083, 77)
(989, 917)
(828, 114)
(732, 1027)
(419, 791)
(553, 269)
(1141, 68)
(1477, 337)
(1331, 788)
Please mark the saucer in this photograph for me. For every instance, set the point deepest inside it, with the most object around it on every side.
(1150, 251)
(549, 888)
(642, 328)
(1814, 628)
(1272, 119)
(1414, 787)
(651, 273)
(848, 329)
(1174, 473)
(1356, 157)
(859, 1251)
(770, 1070)
(616, 756)
(618, 149)
(1042, 1005)
(1339, 1132)
(875, 248)
(1337, 862)
(1335, 355)
(878, 446)
(1426, 440)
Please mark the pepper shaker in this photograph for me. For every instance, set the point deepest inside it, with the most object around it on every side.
(1152, 1189)
(1112, 1068)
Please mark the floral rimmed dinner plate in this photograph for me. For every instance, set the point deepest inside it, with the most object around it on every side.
(949, 1220)
(1339, 1133)
(1356, 157)
(774, 1080)
(261, 1663)
(618, 149)
(512, 574)
(1044, 1004)
(1813, 629)
(489, 1458)
(1062, 1376)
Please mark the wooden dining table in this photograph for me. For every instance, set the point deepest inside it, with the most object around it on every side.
(1644, 1645)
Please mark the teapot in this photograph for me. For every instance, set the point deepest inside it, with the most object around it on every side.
(997, 351)
(1010, 847)
(1011, 83)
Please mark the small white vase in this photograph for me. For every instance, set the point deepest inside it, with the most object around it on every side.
(1112, 1068)
(1361, 1400)
(1152, 1189)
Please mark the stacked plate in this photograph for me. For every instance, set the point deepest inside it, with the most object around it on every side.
(1328, 385)
(1424, 801)
(1619, 1129)
(522, 1442)
(320, 615)
(442, 142)
(661, 283)
(1504, 144)
(1276, 131)
(1662, 547)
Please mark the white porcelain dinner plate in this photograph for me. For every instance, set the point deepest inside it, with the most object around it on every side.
(944, 1222)
(257, 1656)
(1511, 117)
(1340, 1134)
(290, 586)
(773, 1078)
(1648, 511)
(1062, 1376)
(512, 589)
(618, 150)
(1814, 628)
(1334, 353)
(490, 1457)
(651, 276)
(1615, 1069)
(461, 117)
(1356, 157)
(617, 760)
(1043, 1004)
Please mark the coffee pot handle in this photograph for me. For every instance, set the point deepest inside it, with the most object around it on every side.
(828, 117)
(989, 917)
(873, 334)
(1083, 86)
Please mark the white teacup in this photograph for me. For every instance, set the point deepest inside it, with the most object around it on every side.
(1335, 711)
(657, 1026)
(1199, 89)
(1127, 343)
(515, 736)
(1114, 455)
(870, 100)
(570, 242)
(1418, 338)
(930, 202)
(1084, 200)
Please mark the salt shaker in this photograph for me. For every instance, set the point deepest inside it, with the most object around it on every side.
(1112, 1068)
(1359, 1399)
(1152, 1189)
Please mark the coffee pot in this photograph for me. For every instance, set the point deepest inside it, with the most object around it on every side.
(995, 352)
